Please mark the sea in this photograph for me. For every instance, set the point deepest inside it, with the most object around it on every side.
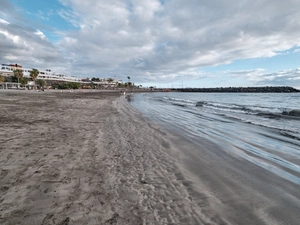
(261, 128)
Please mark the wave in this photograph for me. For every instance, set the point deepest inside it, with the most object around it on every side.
(179, 100)
(177, 104)
(217, 107)
(294, 112)
(276, 116)
(260, 128)
(271, 112)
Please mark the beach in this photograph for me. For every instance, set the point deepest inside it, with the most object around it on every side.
(84, 158)
(91, 158)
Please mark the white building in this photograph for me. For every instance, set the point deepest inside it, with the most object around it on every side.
(8, 70)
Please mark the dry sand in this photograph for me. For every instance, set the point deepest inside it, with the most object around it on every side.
(89, 158)
(85, 158)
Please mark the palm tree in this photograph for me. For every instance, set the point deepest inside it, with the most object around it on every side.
(34, 74)
(128, 79)
(18, 74)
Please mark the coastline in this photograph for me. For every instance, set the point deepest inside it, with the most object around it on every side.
(90, 158)
(84, 158)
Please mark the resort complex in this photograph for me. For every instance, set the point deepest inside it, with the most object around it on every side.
(48, 77)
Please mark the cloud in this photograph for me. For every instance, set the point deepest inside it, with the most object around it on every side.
(251, 75)
(290, 77)
(154, 40)
(176, 36)
(296, 50)
(3, 21)
(283, 78)
(40, 34)
(21, 44)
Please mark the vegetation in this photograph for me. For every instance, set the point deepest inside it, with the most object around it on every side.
(109, 80)
(128, 80)
(11, 79)
(34, 74)
(24, 80)
(40, 82)
(74, 85)
(71, 85)
(107, 84)
(18, 74)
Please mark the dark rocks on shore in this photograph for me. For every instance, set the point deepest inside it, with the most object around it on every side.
(241, 89)
(295, 112)
(198, 104)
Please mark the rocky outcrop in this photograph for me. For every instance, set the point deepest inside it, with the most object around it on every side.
(295, 112)
(241, 89)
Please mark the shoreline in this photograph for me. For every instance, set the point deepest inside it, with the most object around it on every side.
(76, 158)
(91, 158)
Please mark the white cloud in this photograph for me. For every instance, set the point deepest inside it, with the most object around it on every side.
(181, 34)
(297, 50)
(3, 21)
(24, 45)
(13, 38)
(40, 34)
(151, 40)
(255, 75)
(290, 77)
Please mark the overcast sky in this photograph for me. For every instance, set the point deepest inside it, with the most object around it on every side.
(165, 43)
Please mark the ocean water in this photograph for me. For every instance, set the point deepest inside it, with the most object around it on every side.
(257, 127)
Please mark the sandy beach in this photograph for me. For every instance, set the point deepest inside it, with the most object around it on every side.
(85, 158)
(90, 158)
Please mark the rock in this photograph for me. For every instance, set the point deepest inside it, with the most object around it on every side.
(295, 112)
(276, 89)
(199, 104)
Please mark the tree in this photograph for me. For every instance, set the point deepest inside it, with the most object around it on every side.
(2, 79)
(74, 85)
(128, 80)
(109, 80)
(18, 74)
(40, 82)
(64, 86)
(24, 80)
(34, 74)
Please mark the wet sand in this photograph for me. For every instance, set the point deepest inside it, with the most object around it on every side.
(90, 158)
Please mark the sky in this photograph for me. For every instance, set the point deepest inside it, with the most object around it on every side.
(162, 43)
